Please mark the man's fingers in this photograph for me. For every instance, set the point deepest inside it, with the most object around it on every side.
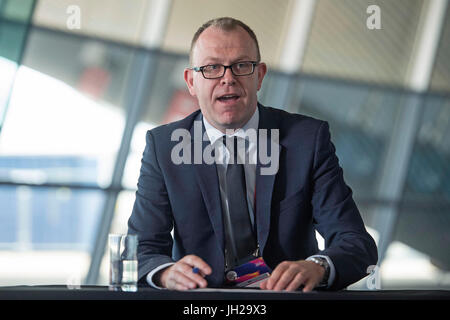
(286, 278)
(309, 286)
(174, 282)
(290, 275)
(296, 282)
(180, 287)
(276, 274)
(263, 285)
(195, 261)
(182, 277)
(187, 270)
(180, 280)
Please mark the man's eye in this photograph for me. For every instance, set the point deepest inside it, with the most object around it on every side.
(212, 67)
(243, 66)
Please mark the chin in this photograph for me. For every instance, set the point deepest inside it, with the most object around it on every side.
(230, 119)
(233, 124)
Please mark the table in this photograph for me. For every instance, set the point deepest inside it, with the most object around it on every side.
(62, 292)
(227, 304)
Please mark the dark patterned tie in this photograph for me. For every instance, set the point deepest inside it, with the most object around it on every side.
(240, 240)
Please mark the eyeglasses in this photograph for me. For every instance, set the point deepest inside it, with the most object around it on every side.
(215, 71)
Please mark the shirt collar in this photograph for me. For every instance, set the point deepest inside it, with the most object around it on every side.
(214, 134)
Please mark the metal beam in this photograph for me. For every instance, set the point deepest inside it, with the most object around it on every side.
(396, 162)
(283, 90)
(143, 68)
(298, 32)
(155, 24)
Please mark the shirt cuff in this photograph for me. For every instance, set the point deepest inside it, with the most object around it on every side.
(332, 269)
(154, 271)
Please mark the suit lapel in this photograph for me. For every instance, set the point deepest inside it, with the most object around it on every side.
(207, 179)
(265, 182)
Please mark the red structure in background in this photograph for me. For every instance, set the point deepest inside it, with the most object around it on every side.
(94, 81)
(181, 105)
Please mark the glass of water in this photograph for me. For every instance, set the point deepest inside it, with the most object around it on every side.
(123, 262)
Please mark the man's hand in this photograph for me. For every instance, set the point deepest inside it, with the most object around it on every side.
(180, 275)
(289, 275)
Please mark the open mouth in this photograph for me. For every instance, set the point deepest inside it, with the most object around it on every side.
(228, 98)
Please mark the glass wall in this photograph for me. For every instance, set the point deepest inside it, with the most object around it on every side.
(440, 80)
(380, 56)
(75, 105)
(362, 121)
(74, 87)
(14, 23)
(64, 120)
(269, 20)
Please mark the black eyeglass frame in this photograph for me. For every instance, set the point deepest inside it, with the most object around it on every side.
(200, 69)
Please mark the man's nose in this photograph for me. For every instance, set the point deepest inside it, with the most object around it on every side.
(228, 77)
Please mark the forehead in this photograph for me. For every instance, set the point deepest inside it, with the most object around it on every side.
(217, 44)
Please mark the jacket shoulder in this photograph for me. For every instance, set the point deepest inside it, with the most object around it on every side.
(288, 121)
(165, 130)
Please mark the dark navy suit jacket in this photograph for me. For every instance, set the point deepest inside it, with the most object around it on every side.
(307, 193)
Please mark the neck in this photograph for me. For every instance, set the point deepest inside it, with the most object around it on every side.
(232, 127)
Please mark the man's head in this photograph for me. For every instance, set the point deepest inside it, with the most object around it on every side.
(229, 101)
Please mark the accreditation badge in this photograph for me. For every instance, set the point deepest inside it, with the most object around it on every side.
(249, 274)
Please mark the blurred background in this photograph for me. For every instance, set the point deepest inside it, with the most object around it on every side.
(81, 81)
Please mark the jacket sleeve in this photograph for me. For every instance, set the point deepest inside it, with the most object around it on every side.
(337, 218)
(151, 218)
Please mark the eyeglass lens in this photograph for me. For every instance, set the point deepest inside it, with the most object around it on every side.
(218, 70)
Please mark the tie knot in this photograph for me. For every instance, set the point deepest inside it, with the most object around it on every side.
(231, 143)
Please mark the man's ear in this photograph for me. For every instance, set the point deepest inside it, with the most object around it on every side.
(262, 70)
(189, 79)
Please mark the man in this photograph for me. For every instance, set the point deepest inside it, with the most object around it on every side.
(305, 193)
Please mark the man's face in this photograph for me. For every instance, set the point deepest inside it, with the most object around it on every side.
(215, 46)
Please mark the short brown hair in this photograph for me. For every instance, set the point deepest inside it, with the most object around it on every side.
(225, 24)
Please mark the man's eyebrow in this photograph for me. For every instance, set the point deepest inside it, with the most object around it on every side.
(216, 59)
(210, 59)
